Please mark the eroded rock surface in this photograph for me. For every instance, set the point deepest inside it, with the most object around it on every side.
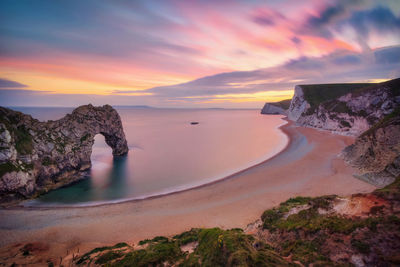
(38, 156)
(351, 113)
(271, 109)
(280, 107)
(376, 153)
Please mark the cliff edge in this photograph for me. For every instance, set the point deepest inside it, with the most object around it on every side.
(38, 156)
(275, 108)
(348, 109)
(376, 152)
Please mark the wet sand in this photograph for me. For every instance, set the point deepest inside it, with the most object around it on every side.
(308, 166)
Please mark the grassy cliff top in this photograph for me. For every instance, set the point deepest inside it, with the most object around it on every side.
(394, 86)
(285, 104)
(315, 94)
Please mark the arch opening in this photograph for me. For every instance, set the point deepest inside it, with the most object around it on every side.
(107, 171)
(101, 156)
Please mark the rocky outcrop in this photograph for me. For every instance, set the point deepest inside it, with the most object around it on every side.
(376, 153)
(38, 156)
(299, 105)
(348, 113)
(275, 108)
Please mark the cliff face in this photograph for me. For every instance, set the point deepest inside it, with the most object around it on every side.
(350, 113)
(274, 108)
(37, 156)
(298, 105)
(376, 153)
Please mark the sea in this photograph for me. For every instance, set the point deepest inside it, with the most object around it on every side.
(167, 153)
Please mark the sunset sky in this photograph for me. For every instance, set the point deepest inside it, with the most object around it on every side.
(190, 53)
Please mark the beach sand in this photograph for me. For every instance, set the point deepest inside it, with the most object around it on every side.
(308, 166)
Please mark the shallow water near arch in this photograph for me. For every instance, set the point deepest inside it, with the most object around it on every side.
(168, 153)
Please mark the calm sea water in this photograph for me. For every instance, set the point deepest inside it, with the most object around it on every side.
(169, 154)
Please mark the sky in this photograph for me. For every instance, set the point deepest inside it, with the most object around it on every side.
(186, 53)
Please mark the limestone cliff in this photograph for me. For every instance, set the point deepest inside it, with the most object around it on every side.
(376, 153)
(38, 156)
(272, 110)
(348, 109)
(276, 107)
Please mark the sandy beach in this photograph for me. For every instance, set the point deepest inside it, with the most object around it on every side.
(308, 166)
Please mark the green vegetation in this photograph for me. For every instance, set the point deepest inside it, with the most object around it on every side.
(7, 167)
(155, 254)
(310, 220)
(393, 85)
(215, 247)
(300, 230)
(341, 107)
(285, 104)
(391, 191)
(11, 167)
(327, 94)
(21, 135)
(345, 123)
(23, 140)
(86, 256)
(108, 256)
(271, 217)
(188, 237)
(155, 239)
(315, 94)
(304, 251)
(85, 137)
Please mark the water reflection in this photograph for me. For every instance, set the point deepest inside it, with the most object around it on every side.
(87, 190)
(80, 191)
(170, 154)
(118, 176)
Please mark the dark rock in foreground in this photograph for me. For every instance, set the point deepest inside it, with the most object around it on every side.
(38, 156)
(376, 152)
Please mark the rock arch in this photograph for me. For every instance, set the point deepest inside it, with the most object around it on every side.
(38, 156)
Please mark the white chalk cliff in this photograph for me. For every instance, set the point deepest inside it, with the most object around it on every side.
(349, 114)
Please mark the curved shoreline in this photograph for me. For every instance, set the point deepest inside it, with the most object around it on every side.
(289, 141)
(308, 166)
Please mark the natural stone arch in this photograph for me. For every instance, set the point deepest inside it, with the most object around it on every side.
(38, 156)
(88, 121)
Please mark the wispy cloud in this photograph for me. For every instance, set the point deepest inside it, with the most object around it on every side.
(165, 51)
(4, 83)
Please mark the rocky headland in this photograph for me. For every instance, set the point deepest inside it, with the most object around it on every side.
(348, 109)
(274, 108)
(376, 152)
(38, 156)
(368, 111)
